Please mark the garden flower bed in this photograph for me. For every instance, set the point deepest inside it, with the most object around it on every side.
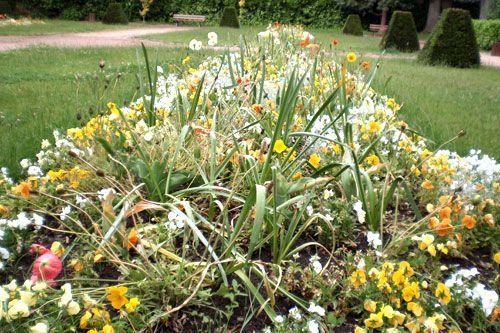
(265, 189)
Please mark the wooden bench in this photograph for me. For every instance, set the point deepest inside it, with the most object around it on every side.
(189, 18)
(379, 28)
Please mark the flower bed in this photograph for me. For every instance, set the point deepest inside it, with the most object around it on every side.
(265, 189)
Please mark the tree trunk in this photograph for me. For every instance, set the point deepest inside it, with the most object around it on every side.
(383, 20)
(485, 5)
(433, 14)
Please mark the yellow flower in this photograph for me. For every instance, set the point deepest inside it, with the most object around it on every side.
(76, 264)
(496, 257)
(415, 308)
(186, 60)
(443, 293)
(351, 57)
(279, 146)
(411, 291)
(370, 306)
(405, 268)
(132, 304)
(387, 311)
(84, 320)
(398, 278)
(314, 160)
(373, 160)
(359, 330)
(297, 175)
(397, 319)
(432, 250)
(108, 329)
(57, 249)
(116, 295)
(358, 278)
(375, 320)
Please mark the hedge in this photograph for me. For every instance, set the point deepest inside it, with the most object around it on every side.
(487, 32)
(353, 26)
(401, 33)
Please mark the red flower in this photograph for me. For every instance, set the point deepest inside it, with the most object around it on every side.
(47, 266)
(335, 42)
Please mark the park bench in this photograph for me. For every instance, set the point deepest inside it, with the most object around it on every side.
(379, 28)
(189, 18)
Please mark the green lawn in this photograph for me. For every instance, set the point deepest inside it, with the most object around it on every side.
(58, 26)
(39, 90)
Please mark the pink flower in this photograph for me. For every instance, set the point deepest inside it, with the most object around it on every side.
(47, 266)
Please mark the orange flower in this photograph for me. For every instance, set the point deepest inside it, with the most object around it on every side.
(427, 185)
(468, 222)
(496, 314)
(444, 228)
(23, 189)
(132, 238)
(257, 108)
(445, 213)
(335, 42)
(365, 65)
(305, 41)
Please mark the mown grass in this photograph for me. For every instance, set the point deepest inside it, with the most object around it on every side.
(46, 88)
(58, 26)
(441, 101)
(39, 91)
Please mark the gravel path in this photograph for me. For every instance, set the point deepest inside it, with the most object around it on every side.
(110, 38)
(132, 37)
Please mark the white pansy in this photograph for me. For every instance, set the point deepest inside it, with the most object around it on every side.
(39, 328)
(279, 319)
(314, 308)
(65, 212)
(18, 309)
(25, 163)
(312, 326)
(373, 239)
(295, 314)
(361, 214)
(73, 308)
(195, 45)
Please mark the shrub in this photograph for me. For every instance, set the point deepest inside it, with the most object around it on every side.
(452, 41)
(487, 33)
(71, 13)
(5, 7)
(401, 33)
(115, 14)
(230, 18)
(353, 26)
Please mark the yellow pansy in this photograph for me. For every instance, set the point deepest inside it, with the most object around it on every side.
(375, 320)
(314, 160)
(358, 278)
(496, 258)
(108, 329)
(279, 146)
(132, 304)
(415, 308)
(116, 295)
(442, 293)
(398, 278)
(84, 320)
(57, 248)
(370, 306)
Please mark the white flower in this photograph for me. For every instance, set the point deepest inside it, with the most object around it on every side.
(37, 220)
(315, 264)
(27, 297)
(313, 308)
(195, 45)
(159, 69)
(373, 239)
(4, 253)
(25, 163)
(81, 201)
(39, 328)
(105, 193)
(264, 35)
(279, 319)
(213, 39)
(309, 210)
(3, 295)
(361, 264)
(45, 144)
(327, 194)
(73, 308)
(67, 297)
(358, 208)
(307, 34)
(294, 313)
(148, 136)
(35, 170)
(313, 326)
(65, 212)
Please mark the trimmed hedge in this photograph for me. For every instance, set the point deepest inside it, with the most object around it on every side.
(401, 33)
(487, 32)
(353, 26)
(452, 42)
(115, 14)
(230, 18)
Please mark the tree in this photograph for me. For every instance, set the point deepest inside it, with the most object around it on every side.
(369, 6)
(145, 8)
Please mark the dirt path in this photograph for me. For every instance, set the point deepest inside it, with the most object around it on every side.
(132, 37)
(111, 38)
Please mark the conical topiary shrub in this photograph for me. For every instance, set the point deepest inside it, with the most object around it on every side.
(115, 14)
(452, 42)
(401, 33)
(230, 18)
(353, 26)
